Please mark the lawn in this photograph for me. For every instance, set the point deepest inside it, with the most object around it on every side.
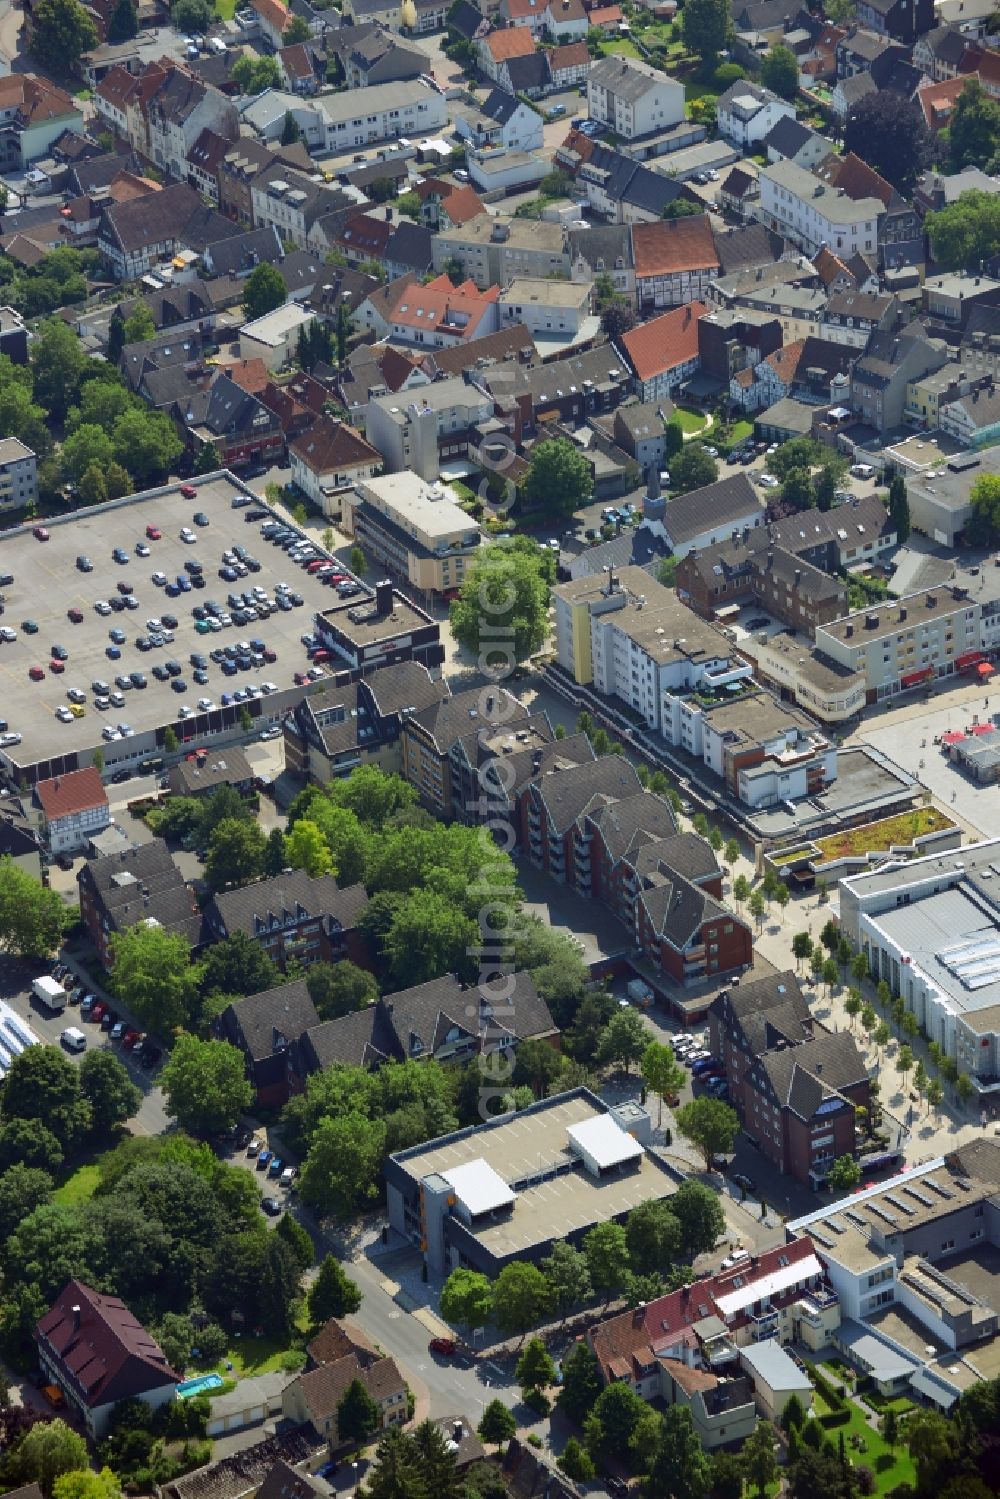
(695, 90)
(250, 1355)
(690, 419)
(225, 9)
(80, 1185)
(876, 836)
(866, 1447)
(624, 48)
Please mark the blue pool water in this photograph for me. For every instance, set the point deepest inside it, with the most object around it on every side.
(199, 1386)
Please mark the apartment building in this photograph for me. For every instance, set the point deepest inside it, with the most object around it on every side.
(18, 475)
(274, 337)
(633, 98)
(766, 752)
(904, 644)
(33, 114)
(327, 459)
(747, 113)
(343, 725)
(794, 1084)
(881, 377)
(74, 807)
(422, 433)
(414, 528)
(491, 251)
(140, 883)
(386, 111)
(133, 236)
(177, 114)
(435, 315)
(811, 214)
(748, 567)
(444, 742)
(554, 311)
(705, 516)
(294, 917)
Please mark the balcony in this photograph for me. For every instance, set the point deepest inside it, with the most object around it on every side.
(763, 1325)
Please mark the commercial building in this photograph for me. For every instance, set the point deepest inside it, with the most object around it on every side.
(274, 337)
(798, 205)
(795, 1085)
(18, 475)
(828, 690)
(92, 1349)
(493, 250)
(633, 98)
(914, 1264)
(767, 752)
(425, 432)
(74, 807)
(416, 530)
(379, 631)
(905, 644)
(554, 312)
(931, 929)
(508, 1189)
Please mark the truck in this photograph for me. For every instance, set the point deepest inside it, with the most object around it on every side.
(50, 992)
(640, 993)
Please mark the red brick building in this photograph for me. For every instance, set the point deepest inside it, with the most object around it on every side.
(794, 1084)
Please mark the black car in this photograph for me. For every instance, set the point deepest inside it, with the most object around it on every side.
(197, 659)
(149, 1056)
(60, 653)
(143, 643)
(255, 514)
(201, 677)
(121, 776)
(199, 612)
(192, 567)
(117, 603)
(138, 680)
(200, 518)
(218, 655)
(252, 564)
(271, 1206)
(170, 620)
(160, 672)
(179, 685)
(174, 668)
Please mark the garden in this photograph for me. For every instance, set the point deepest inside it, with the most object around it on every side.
(840, 1414)
(879, 837)
(690, 420)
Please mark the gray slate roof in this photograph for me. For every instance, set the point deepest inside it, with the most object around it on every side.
(268, 1022)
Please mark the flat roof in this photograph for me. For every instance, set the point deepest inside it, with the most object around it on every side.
(419, 506)
(931, 604)
(359, 622)
(273, 327)
(605, 1140)
(550, 293)
(954, 942)
(478, 1187)
(47, 583)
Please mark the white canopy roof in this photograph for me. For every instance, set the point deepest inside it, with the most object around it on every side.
(767, 1285)
(604, 1141)
(478, 1187)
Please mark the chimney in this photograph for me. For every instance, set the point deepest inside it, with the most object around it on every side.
(798, 576)
(639, 1314)
(76, 1319)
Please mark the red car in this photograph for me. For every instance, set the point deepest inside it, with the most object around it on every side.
(270, 656)
(124, 588)
(445, 1346)
(36, 673)
(315, 565)
(76, 615)
(320, 655)
(40, 533)
(300, 679)
(131, 1039)
(98, 1012)
(189, 492)
(153, 533)
(57, 666)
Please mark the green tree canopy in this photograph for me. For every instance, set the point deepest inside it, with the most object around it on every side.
(60, 31)
(581, 1382)
(692, 468)
(974, 128)
(497, 1424)
(965, 232)
(111, 1093)
(343, 1167)
(520, 1296)
(48, 1450)
(699, 1212)
(780, 72)
(22, 1190)
(238, 965)
(264, 289)
(338, 989)
(559, 480)
(502, 612)
(890, 134)
(709, 1124)
(32, 917)
(467, 1298)
(205, 1085)
(844, 1174)
(357, 1414)
(153, 976)
(332, 1293)
(706, 26)
(235, 854)
(43, 1086)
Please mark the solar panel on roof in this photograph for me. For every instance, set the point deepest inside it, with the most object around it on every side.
(928, 1202)
(942, 1191)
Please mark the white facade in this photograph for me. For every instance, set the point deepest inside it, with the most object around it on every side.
(18, 475)
(383, 111)
(274, 337)
(632, 98)
(812, 214)
(545, 307)
(73, 832)
(747, 113)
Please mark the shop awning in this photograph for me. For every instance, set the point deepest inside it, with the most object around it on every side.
(914, 678)
(982, 728)
(967, 659)
(954, 736)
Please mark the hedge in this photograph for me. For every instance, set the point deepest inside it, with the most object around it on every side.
(832, 1394)
(835, 1418)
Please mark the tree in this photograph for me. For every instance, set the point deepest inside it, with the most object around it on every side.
(497, 1424)
(904, 1061)
(859, 967)
(731, 852)
(146, 443)
(332, 1293)
(844, 1174)
(191, 15)
(153, 976)
(139, 325)
(207, 459)
(680, 1466)
(825, 488)
(338, 989)
(699, 1213)
(290, 131)
(22, 1190)
(43, 1086)
(28, 1142)
(935, 1093)
(252, 75)
(612, 1423)
(606, 1249)
(964, 1086)
(780, 72)
(568, 1277)
(831, 974)
(235, 854)
(535, 1367)
(661, 1072)
(297, 30)
(759, 1460)
(263, 290)
(727, 1476)
(618, 318)
(428, 935)
(709, 1124)
(889, 1428)
(111, 1093)
(298, 1240)
(881, 1036)
(802, 947)
(891, 136)
(576, 1462)
(965, 233)
(86, 447)
(852, 1005)
(205, 1085)
(61, 30)
(899, 505)
(741, 889)
(520, 1296)
(358, 1416)
(757, 906)
(87, 1484)
(93, 487)
(306, 848)
(503, 609)
(559, 480)
(624, 1041)
(705, 28)
(32, 917)
(693, 468)
(581, 1382)
(358, 563)
(344, 1163)
(46, 1451)
(974, 128)
(239, 965)
(930, 1438)
(654, 1237)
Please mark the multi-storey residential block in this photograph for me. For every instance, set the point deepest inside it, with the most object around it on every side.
(441, 744)
(882, 376)
(18, 475)
(434, 426)
(341, 726)
(795, 203)
(492, 250)
(327, 459)
(554, 312)
(178, 113)
(293, 916)
(141, 883)
(415, 529)
(749, 567)
(383, 112)
(907, 643)
(633, 98)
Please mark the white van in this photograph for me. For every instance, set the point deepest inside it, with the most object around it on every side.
(73, 1039)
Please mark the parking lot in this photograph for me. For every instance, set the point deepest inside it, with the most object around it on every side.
(96, 618)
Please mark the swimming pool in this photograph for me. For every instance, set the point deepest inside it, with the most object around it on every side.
(199, 1386)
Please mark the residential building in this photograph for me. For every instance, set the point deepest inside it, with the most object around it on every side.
(633, 98)
(315, 1396)
(264, 1027)
(498, 49)
(663, 352)
(795, 1085)
(927, 394)
(902, 21)
(570, 65)
(747, 113)
(73, 808)
(952, 298)
(381, 57)
(447, 205)
(938, 53)
(430, 15)
(675, 262)
(140, 883)
(421, 434)
(238, 424)
(704, 516)
(639, 431)
(889, 365)
(852, 316)
(415, 529)
(240, 168)
(566, 21)
(760, 385)
(776, 1378)
(503, 120)
(136, 234)
(492, 250)
(274, 337)
(790, 140)
(33, 114)
(362, 116)
(13, 335)
(338, 727)
(749, 567)
(973, 419)
(827, 690)
(293, 916)
(555, 313)
(907, 643)
(443, 744)
(795, 203)
(18, 475)
(731, 340)
(19, 840)
(207, 770)
(180, 109)
(474, 1198)
(328, 458)
(93, 1349)
(437, 315)
(298, 69)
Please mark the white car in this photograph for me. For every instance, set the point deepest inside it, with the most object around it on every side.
(268, 686)
(8, 739)
(205, 704)
(184, 711)
(6, 633)
(75, 695)
(315, 672)
(159, 579)
(63, 714)
(188, 535)
(154, 626)
(225, 619)
(862, 471)
(215, 625)
(109, 732)
(768, 481)
(102, 606)
(141, 549)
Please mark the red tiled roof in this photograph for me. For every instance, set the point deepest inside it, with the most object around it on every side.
(785, 361)
(517, 41)
(829, 266)
(573, 55)
(295, 61)
(251, 375)
(127, 186)
(76, 791)
(524, 9)
(667, 247)
(665, 341)
(431, 306)
(937, 100)
(115, 87)
(34, 98)
(273, 12)
(366, 235)
(985, 63)
(100, 1349)
(851, 175)
(606, 15)
(330, 445)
